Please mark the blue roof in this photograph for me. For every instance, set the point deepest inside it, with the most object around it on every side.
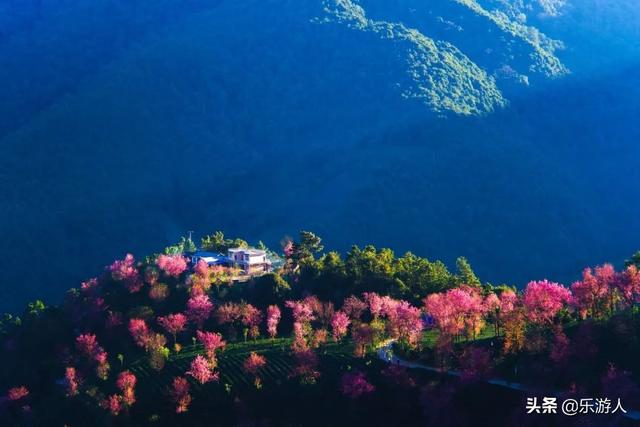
(203, 254)
(214, 258)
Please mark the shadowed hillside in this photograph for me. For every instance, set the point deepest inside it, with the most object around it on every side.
(123, 126)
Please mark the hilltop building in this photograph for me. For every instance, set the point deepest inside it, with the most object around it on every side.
(251, 261)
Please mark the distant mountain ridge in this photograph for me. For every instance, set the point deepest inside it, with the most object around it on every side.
(71, 51)
(443, 76)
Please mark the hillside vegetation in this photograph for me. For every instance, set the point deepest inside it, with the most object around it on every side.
(162, 341)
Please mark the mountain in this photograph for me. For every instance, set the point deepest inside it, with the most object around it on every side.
(503, 130)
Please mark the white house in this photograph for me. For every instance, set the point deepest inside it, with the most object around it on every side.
(251, 261)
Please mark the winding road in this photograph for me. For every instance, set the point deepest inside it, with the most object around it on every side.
(386, 354)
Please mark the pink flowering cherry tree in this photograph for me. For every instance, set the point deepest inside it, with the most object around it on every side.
(306, 366)
(544, 299)
(199, 309)
(71, 380)
(201, 371)
(355, 384)
(212, 342)
(173, 324)
(87, 345)
(180, 394)
(139, 331)
(251, 319)
(354, 307)
(302, 313)
(17, 393)
(252, 366)
(127, 383)
(172, 265)
(125, 271)
(594, 295)
(273, 319)
(405, 323)
(113, 404)
(628, 284)
(339, 325)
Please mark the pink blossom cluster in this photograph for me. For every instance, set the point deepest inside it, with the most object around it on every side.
(306, 366)
(251, 319)
(228, 313)
(125, 271)
(508, 301)
(89, 287)
(591, 295)
(354, 307)
(201, 370)
(199, 309)
(113, 404)
(202, 268)
(201, 279)
(127, 383)
(17, 393)
(405, 322)
(172, 265)
(212, 342)
(629, 285)
(602, 290)
(355, 384)
(173, 324)
(103, 368)
(457, 310)
(139, 331)
(87, 345)
(544, 299)
(71, 381)
(288, 249)
(301, 310)
(362, 335)
(340, 325)
(379, 305)
(319, 337)
(273, 318)
(116, 402)
(302, 331)
(180, 394)
(253, 364)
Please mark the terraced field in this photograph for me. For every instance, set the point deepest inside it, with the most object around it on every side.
(333, 358)
(234, 397)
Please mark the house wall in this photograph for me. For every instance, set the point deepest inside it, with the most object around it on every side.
(257, 259)
(251, 264)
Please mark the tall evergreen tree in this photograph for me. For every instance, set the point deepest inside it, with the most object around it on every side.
(465, 273)
(634, 260)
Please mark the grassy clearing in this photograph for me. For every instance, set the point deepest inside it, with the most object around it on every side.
(430, 337)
